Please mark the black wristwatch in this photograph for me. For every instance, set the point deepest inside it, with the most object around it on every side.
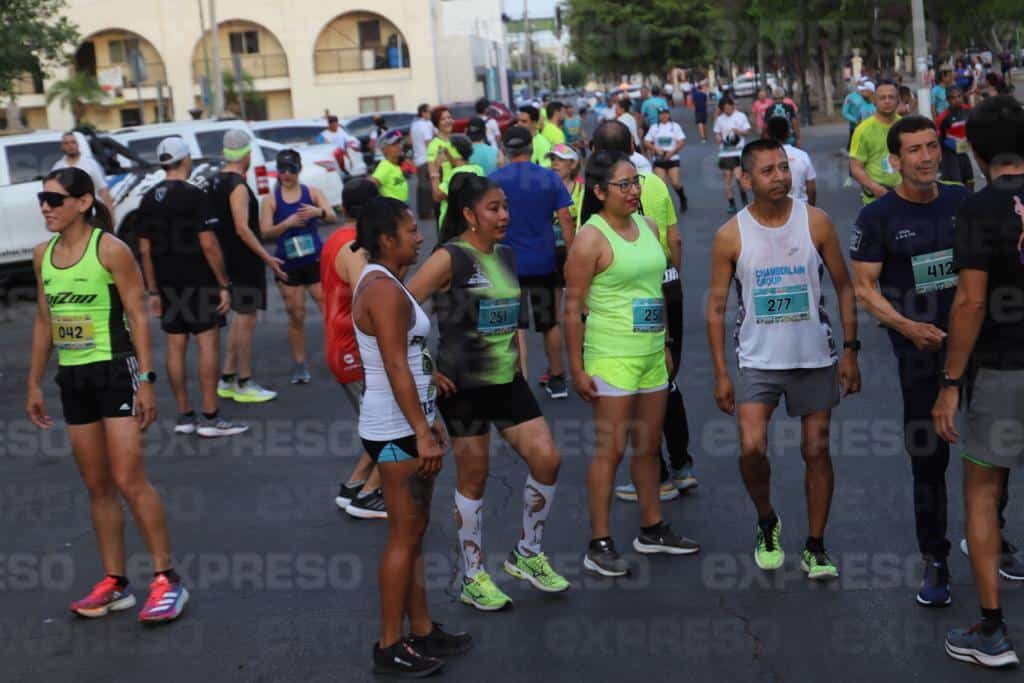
(226, 288)
(947, 381)
(853, 345)
(146, 377)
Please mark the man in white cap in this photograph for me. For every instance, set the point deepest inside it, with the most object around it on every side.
(187, 283)
(73, 158)
(238, 216)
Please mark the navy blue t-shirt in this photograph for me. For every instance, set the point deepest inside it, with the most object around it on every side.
(700, 101)
(914, 244)
(534, 194)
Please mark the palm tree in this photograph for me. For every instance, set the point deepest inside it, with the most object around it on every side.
(75, 92)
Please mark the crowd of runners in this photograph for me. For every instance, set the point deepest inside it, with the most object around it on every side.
(578, 234)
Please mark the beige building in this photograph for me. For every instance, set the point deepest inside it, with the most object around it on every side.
(298, 58)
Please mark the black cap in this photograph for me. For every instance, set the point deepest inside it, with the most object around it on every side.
(476, 129)
(516, 138)
(289, 156)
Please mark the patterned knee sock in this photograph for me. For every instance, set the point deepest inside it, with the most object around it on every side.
(470, 524)
(537, 500)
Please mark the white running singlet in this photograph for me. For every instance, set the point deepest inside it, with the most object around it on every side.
(782, 323)
(381, 418)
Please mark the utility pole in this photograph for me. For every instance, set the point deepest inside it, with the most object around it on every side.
(529, 49)
(924, 95)
(218, 80)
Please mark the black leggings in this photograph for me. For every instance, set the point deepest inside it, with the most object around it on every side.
(676, 429)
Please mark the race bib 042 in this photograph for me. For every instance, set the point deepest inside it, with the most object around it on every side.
(73, 332)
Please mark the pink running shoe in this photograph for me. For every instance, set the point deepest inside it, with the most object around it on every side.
(166, 601)
(105, 597)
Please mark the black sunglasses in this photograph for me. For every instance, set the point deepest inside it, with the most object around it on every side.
(288, 168)
(52, 199)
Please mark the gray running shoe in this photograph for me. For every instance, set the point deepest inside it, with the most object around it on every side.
(602, 558)
(220, 426)
(1011, 565)
(368, 507)
(300, 374)
(556, 387)
(664, 540)
(186, 424)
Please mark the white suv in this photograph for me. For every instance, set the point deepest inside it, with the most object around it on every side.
(305, 134)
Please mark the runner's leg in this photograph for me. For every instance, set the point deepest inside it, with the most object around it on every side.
(983, 488)
(611, 421)
(88, 443)
(648, 416)
(818, 477)
(177, 348)
(295, 305)
(754, 465)
(127, 467)
(209, 370)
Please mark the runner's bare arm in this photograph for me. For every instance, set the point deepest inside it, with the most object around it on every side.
(724, 252)
(148, 271)
(433, 276)
(42, 347)
(210, 245)
(965, 319)
(118, 259)
(827, 241)
(268, 229)
(239, 202)
(580, 269)
(567, 224)
(320, 201)
(349, 264)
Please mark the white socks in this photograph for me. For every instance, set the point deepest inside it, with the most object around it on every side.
(537, 500)
(470, 525)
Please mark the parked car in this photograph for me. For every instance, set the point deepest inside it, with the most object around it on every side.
(362, 127)
(462, 112)
(306, 133)
(746, 85)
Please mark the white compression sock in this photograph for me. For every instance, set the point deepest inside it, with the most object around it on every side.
(537, 500)
(470, 525)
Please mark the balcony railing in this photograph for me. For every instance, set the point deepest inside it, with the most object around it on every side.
(254, 65)
(155, 71)
(340, 60)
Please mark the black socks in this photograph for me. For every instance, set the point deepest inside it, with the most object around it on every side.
(991, 620)
(815, 545)
(171, 575)
(122, 581)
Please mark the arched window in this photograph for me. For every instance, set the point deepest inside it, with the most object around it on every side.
(359, 41)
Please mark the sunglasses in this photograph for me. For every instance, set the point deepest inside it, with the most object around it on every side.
(287, 168)
(52, 199)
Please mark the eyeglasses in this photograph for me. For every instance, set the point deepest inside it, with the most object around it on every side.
(52, 199)
(287, 168)
(625, 185)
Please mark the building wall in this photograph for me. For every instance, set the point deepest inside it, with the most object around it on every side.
(172, 28)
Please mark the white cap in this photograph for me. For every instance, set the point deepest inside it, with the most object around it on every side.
(867, 85)
(172, 150)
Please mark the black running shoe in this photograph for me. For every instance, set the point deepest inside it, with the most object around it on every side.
(556, 387)
(602, 558)
(347, 493)
(662, 539)
(368, 507)
(403, 661)
(441, 644)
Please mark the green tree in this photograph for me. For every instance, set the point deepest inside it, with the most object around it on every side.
(75, 93)
(34, 37)
(243, 90)
(614, 37)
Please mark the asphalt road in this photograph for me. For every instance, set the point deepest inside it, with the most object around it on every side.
(284, 585)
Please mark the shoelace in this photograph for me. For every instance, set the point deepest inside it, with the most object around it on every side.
(157, 593)
(101, 588)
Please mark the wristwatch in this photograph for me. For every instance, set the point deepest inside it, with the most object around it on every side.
(146, 377)
(226, 287)
(853, 345)
(948, 381)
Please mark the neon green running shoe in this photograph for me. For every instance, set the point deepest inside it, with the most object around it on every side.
(768, 554)
(819, 566)
(537, 570)
(482, 593)
(226, 389)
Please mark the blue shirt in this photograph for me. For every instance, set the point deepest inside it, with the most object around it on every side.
(852, 106)
(534, 194)
(892, 231)
(939, 99)
(650, 108)
(484, 156)
(700, 101)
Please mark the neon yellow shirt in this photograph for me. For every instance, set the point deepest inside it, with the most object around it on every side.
(870, 147)
(553, 134)
(392, 181)
(436, 145)
(465, 168)
(541, 147)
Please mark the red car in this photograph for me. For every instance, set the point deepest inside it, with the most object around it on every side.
(462, 112)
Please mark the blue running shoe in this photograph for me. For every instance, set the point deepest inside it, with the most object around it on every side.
(166, 601)
(934, 590)
(972, 645)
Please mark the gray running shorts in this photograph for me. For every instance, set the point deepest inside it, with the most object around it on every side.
(807, 390)
(994, 425)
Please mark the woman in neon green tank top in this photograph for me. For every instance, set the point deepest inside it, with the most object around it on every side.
(92, 309)
(619, 363)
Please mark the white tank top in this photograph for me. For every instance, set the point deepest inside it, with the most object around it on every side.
(380, 417)
(782, 323)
